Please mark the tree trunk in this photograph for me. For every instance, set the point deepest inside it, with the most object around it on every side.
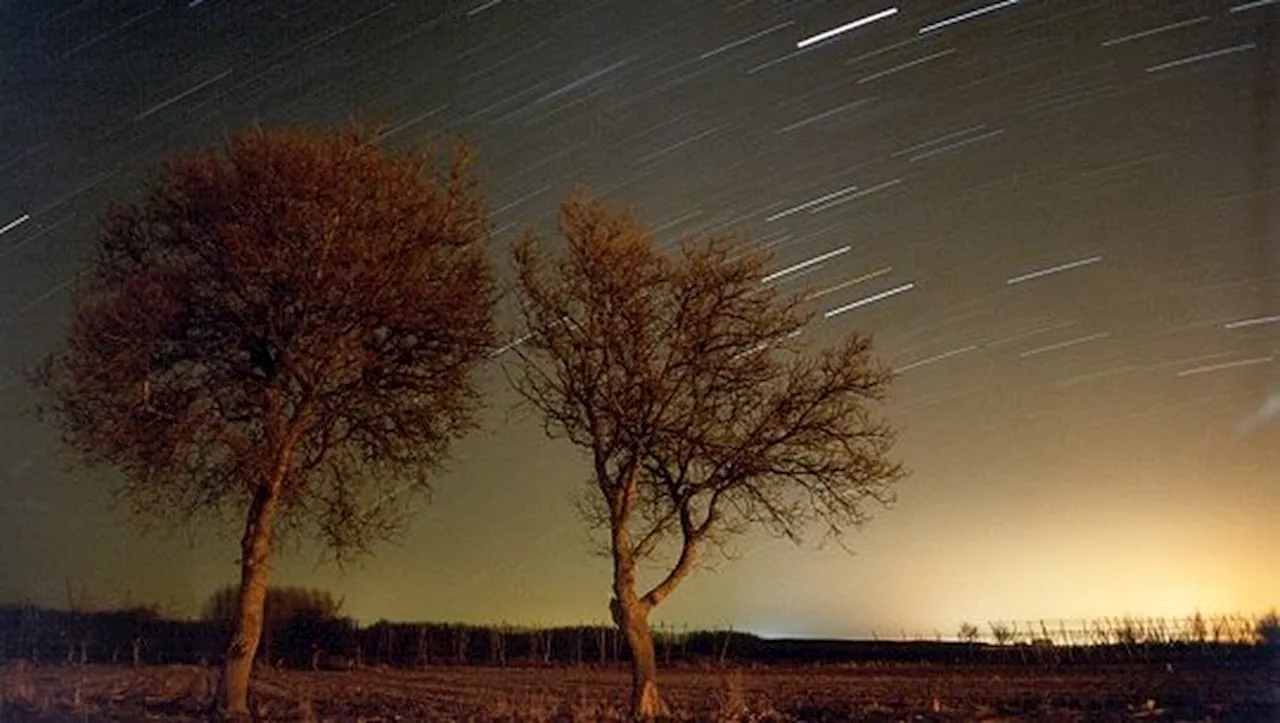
(631, 612)
(255, 560)
(632, 619)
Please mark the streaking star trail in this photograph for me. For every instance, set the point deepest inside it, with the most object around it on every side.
(828, 34)
(868, 300)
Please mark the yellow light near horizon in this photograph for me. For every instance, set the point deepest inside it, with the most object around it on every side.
(1105, 567)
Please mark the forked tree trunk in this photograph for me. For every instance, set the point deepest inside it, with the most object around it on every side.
(255, 560)
(631, 612)
(632, 619)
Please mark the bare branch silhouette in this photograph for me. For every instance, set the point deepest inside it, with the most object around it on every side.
(684, 378)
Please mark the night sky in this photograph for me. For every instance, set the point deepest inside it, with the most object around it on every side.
(1057, 217)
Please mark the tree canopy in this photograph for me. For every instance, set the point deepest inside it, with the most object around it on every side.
(302, 305)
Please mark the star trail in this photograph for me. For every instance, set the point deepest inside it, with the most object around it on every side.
(1056, 218)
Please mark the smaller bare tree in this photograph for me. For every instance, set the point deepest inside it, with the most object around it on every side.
(1267, 630)
(1002, 633)
(461, 644)
(498, 646)
(682, 378)
(422, 658)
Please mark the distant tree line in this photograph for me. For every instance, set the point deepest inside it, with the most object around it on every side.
(135, 636)
(304, 629)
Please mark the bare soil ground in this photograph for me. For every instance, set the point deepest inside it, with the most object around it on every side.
(847, 693)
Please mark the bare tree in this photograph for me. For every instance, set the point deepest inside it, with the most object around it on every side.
(461, 644)
(498, 646)
(1267, 629)
(1002, 633)
(284, 330)
(682, 377)
(423, 657)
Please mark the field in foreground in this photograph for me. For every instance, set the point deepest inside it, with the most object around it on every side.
(875, 693)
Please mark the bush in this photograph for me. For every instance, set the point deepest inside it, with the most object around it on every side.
(1268, 629)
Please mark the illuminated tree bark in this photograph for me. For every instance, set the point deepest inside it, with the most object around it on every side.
(255, 550)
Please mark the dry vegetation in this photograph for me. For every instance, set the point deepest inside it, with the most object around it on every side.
(837, 693)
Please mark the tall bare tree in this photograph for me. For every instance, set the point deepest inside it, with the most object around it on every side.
(285, 329)
(682, 377)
